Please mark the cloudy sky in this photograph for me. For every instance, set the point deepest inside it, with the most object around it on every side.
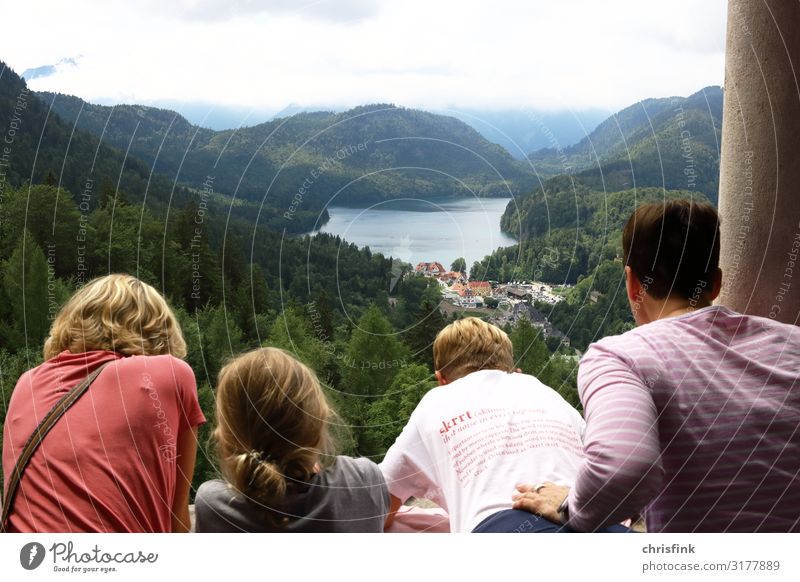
(435, 54)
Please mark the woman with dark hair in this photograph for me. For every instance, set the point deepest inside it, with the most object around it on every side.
(693, 415)
(120, 456)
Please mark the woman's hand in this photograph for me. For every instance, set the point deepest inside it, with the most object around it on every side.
(543, 499)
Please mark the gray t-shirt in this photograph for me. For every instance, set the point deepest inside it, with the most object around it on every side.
(349, 496)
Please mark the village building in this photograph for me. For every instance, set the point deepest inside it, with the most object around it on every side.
(452, 277)
(433, 269)
(538, 319)
(470, 302)
(472, 289)
(517, 293)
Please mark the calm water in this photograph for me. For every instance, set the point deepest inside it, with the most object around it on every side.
(415, 230)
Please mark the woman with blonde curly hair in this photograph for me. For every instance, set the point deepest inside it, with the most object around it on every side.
(276, 456)
(121, 457)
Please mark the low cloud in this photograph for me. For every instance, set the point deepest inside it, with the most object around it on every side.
(223, 10)
(50, 70)
(547, 55)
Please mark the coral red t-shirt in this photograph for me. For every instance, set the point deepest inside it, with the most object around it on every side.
(109, 464)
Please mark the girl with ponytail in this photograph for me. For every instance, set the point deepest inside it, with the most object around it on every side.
(275, 454)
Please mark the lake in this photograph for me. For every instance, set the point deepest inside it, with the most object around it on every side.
(414, 230)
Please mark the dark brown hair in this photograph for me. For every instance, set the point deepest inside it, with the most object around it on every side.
(673, 247)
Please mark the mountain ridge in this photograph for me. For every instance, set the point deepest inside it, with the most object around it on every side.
(646, 144)
(390, 151)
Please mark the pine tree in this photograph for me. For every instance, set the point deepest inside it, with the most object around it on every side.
(25, 284)
(374, 357)
(49, 223)
(204, 286)
(206, 467)
(222, 339)
(292, 332)
(185, 229)
(233, 262)
(530, 351)
(252, 301)
(428, 322)
(561, 374)
(387, 416)
(107, 193)
(322, 306)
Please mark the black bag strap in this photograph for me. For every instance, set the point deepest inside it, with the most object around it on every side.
(37, 437)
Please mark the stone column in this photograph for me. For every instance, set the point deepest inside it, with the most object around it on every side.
(759, 197)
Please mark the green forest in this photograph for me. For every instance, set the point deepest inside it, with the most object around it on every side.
(670, 143)
(366, 154)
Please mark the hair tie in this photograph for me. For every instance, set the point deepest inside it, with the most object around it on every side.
(261, 456)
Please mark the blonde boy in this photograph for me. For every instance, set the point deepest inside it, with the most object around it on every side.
(483, 429)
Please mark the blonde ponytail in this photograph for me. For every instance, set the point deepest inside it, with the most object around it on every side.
(272, 426)
(260, 480)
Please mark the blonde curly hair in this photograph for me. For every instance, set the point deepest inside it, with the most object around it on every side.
(118, 313)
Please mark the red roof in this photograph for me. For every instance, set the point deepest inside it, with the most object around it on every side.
(430, 267)
(451, 275)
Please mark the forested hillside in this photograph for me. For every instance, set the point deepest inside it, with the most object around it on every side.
(670, 143)
(44, 148)
(566, 231)
(368, 154)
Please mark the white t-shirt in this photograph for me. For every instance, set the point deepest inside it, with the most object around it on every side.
(470, 442)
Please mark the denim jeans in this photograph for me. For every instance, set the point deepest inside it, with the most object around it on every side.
(518, 521)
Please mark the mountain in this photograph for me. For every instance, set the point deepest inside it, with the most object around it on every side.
(45, 148)
(671, 143)
(571, 222)
(213, 115)
(366, 154)
(522, 131)
(42, 147)
(519, 131)
(96, 209)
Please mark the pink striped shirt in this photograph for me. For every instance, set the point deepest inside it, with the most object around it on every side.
(696, 420)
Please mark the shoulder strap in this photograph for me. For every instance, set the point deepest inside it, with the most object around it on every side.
(37, 437)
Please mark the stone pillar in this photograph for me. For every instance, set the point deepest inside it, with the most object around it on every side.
(759, 197)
